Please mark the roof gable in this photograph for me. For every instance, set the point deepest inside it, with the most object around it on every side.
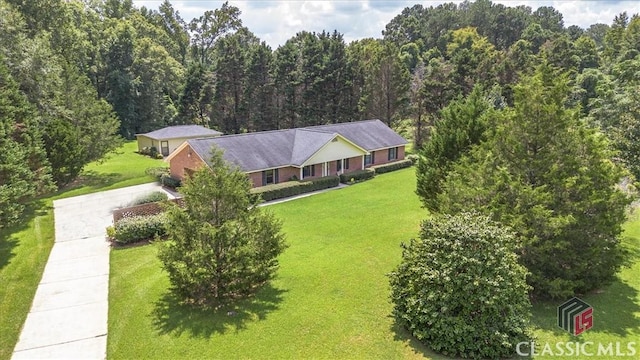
(306, 143)
(369, 134)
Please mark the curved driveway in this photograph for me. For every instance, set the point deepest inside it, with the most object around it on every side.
(68, 317)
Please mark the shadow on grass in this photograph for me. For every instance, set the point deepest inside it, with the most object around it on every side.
(91, 179)
(403, 335)
(613, 312)
(172, 317)
(8, 239)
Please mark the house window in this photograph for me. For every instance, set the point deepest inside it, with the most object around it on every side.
(164, 148)
(346, 164)
(269, 177)
(369, 159)
(393, 153)
(308, 171)
(338, 165)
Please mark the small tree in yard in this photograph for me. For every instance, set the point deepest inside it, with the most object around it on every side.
(220, 246)
(460, 290)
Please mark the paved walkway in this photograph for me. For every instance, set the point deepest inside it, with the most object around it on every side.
(68, 317)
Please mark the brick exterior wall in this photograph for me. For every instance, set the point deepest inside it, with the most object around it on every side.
(284, 174)
(255, 178)
(182, 160)
(382, 156)
(355, 164)
(401, 152)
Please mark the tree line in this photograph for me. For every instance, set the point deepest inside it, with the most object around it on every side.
(90, 73)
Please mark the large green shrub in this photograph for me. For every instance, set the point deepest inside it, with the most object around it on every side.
(396, 165)
(169, 181)
(292, 188)
(356, 176)
(460, 290)
(138, 228)
(151, 197)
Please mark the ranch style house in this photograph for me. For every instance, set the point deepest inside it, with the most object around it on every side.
(271, 157)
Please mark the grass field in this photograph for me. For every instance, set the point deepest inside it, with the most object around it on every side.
(24, 249)
(330, 299)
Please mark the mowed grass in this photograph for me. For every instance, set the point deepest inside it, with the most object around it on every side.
(24, 249)
(330, 299)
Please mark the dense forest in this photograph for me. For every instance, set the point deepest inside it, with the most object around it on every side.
(78, 77)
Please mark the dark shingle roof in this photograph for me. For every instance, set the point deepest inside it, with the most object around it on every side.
(292, 147)
(368, 134)
(182, 131)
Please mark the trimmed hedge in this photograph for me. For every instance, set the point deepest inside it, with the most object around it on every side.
(138, 228)
(292, 188)
(396, 165)
(151, 197)
(356, 176)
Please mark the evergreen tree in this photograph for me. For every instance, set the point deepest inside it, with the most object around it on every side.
(462, 124)
(551, 177)
(24, 170)
(221, 246)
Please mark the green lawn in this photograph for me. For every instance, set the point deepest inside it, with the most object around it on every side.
(24, 249)
(330, 299)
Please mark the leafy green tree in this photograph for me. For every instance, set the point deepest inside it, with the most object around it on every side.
(195, 101)
(560, 52)
(597, 32)
(586, 49)
(120, 81)
(385, 92)
(261, 89)
(24, 170)
(221, 246)
(462, 124)
(473, 58)
(229, 104)
(64, 151)
(550, 176)
(287, 79)
(209, 27)
(157, 77)
(614, 105)
(460, 290)
(549, 18)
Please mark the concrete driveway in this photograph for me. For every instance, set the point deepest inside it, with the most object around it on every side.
(68, 317)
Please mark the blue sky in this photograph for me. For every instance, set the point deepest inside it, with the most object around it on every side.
(277, 21)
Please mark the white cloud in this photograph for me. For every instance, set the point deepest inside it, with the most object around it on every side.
(277, 21)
